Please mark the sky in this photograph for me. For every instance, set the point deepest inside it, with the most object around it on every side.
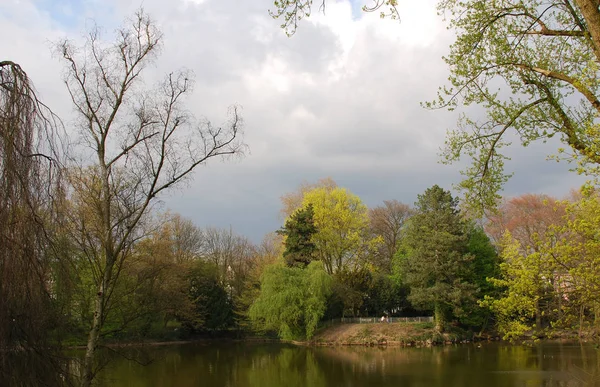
(340, 99)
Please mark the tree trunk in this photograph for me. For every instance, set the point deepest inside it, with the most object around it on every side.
(581, 314)
(538, 316)
(93, 338)
(591, 14)
(439, 317)
(99, 315)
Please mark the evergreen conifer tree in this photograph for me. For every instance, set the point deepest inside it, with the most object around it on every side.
(436, 264)
(299, 229)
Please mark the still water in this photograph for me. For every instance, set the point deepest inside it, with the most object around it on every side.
(270, 365)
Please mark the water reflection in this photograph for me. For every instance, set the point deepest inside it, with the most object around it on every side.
(266, 365)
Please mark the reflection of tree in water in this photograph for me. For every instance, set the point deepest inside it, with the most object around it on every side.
(291, 367)
(465, 365)
(269, 365)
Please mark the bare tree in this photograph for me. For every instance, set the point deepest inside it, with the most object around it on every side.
(292, 201)
(30, 181)
(388, 221)
(144, 142)
(232, 254)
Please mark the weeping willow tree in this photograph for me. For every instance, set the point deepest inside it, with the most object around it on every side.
(29, 183)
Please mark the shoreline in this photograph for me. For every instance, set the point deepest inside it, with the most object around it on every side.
(369, 335)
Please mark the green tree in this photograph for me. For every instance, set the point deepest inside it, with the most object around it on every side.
(531, 221)
(351, 290)
(385, 295)
(485, 264)
(213, 306)
(533, 66)
(292, 201)
(525, 280)
(342, 239)
(292, 300)
(267, 253)
(436, 264)
(299, 230)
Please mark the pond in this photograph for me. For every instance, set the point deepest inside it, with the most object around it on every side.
(266, 365)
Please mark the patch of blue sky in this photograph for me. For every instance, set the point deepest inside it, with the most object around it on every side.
(357, 11)
(66, 13)
(75, 14)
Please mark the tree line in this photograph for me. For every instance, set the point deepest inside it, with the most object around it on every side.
(528, 268)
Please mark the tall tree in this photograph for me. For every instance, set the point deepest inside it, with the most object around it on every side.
(231, 254)
(186, 238)
(268, 252)
(388, 222)
(485, 265)
(525, 217)
(436, 264)
(144, 143)
(299, 230)
(574, 248)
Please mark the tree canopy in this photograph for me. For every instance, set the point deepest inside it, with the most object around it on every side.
(533, 66)
(342, 239)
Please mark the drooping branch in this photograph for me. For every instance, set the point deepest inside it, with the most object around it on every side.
(30, 191)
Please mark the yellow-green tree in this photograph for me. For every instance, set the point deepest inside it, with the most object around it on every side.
(526, 280)
(342, 239)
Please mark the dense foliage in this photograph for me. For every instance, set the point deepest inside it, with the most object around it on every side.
(436, 262)
(299, 230)
(292, 300)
